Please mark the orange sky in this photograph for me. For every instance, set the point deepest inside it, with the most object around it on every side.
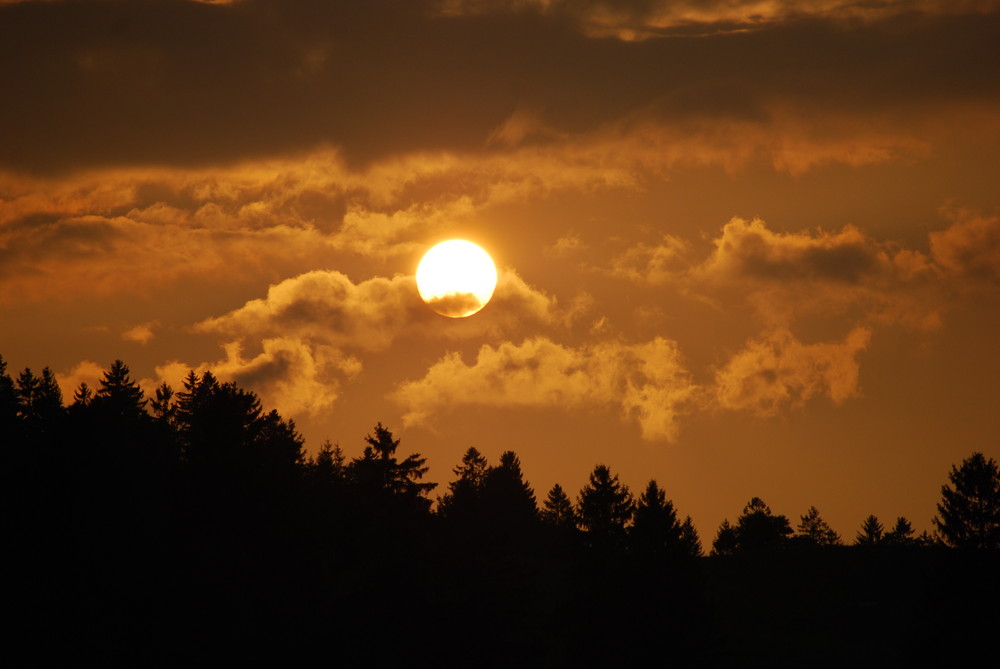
(746, 248)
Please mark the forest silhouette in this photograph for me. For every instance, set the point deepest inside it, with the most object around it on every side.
(191, 527)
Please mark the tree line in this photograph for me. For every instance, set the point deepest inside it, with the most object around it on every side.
(193, 522)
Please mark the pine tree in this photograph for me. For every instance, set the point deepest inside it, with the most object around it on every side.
(163, 406)
(557, 511)
(462, 501)
(655, 529)
(901, 534)
(27, 393)
(758, 528)
(690, 543)
(50, 401)
(10, 422)
(871, 532)
(604, 509)
(118, 394)
(508, 500)
(814, 530)
(83, 395)
(726, 541)
(970, 505)
(379, 472)
(329, 462)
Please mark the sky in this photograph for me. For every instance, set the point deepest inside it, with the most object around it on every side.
(745, 247)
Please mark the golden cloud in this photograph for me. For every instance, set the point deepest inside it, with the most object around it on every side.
(647, 381)
(326, 306)
(291, 375)
(778, 370)
(141, 334)
(86, 371)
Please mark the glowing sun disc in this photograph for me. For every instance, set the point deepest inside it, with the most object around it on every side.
(456, 278)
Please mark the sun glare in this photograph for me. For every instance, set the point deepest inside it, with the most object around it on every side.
(456, 278)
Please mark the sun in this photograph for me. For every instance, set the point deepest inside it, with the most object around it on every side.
(456, 278)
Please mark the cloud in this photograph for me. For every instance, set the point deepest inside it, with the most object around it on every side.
(85, 371)
(291, 375)
(778, 370)
(786, 276)
(326, 306)
(141, 334)
(648, 382)
(969, 249)
(568, 245)
(655, 264)
(749, 250)
(314, 330)
(632, 20)
(420, 82)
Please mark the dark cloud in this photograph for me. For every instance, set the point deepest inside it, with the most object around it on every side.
(456, 305)
(970, 248)
(193, 83)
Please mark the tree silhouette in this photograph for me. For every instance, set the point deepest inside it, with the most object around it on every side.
(225, 433)
(901, 533)
(461, 503)
(726, 540)
(508, 501)
(557, 510)
(39, 404)
(690, 542)
(329, 462)
(604, 508)
(758, 528)
(82, 396)
(871, 532)
(970, 506)
(8, 396)
(814, 530)
(119, 395)
(655, 529)
(27, 394)
(378, 470)
(163, 406)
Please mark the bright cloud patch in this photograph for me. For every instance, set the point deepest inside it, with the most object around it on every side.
(647, 381)
(293, 375)
(778, 370)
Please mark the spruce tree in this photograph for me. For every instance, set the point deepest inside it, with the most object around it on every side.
(901, 533)
(871, 532)
(604, 509)
(969, 512)
(557, 510)
(690, 543)
(655, 529)
(814, 530)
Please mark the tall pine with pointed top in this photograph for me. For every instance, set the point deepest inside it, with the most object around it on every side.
(557, 510)
(461, 504)
(655, 530)
(604, 509)
(969, 512)
(871, 532)
(380, 475)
